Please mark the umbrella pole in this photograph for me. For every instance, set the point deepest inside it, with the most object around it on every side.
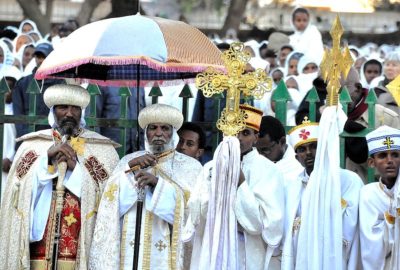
(140, 191)
(139, 211)
(137, 107)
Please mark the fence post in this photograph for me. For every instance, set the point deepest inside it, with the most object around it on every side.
(3, 90)
(155, 92)
(371, 101)
(124, 93)
(344, 99)
(185, 94)
(312, 98)
(93, 91)
(33, 90)
(281, 96)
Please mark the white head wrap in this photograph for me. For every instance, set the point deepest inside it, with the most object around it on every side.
(383, 139)
(64, 94)
(160, 113)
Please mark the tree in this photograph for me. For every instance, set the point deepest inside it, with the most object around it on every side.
(235, 15)
(86, 11)
(43, 20)
(121, 8)
(33, 12)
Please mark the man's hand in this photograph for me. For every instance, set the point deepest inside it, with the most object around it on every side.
(62, 152)
(145, 179)
(143, 161)
(241, 178)
(6, 165)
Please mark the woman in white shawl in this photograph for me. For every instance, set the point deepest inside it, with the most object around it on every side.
(307, 67)
(27, 25)
(291, 63)
(391, 69)
(370, 70)
(25, 56)
(306, 37)
(20, 40)
(6, 58)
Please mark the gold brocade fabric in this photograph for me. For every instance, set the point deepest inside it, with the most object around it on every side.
(161, 246)
(70, 229)
(15, 216)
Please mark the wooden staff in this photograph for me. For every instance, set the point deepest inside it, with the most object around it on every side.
(60, 190)
(139, 210)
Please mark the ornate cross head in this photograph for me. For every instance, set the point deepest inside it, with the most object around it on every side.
(236, 82)
(394, 89)
(336, 63)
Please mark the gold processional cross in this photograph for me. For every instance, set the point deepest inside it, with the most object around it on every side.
(394, 89)
(335, 63)
(212, 81)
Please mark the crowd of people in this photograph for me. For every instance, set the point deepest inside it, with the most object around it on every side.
(171, 202)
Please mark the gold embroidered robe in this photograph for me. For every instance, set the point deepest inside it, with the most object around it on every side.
(162, 221)
(98, 160)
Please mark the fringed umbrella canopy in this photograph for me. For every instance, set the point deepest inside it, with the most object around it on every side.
(132, 50)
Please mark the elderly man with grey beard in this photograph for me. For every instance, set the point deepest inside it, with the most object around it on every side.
(40, 193)
(166, 178)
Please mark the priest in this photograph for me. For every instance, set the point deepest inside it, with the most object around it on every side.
(304, 139)
(28, 213)
(166, 177)
(380, 203)
(244, 234)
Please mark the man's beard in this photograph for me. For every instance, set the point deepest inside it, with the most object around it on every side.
(68, 126)
(159, 148)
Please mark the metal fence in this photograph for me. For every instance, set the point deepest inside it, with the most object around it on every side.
(281, 96)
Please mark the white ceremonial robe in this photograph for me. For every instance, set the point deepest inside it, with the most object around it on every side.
(376, 226)
(289, 166)
(26, 204)
(350, 189)
(258, 209)
(163, 216)
(308, 42)
(9, 135)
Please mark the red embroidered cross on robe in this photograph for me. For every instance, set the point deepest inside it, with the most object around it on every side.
(40, 252)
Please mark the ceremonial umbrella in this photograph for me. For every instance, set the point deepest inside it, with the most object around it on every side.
(132, 51)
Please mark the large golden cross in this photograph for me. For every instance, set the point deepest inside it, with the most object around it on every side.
(394, 89)
(212, 81)
(335, 63)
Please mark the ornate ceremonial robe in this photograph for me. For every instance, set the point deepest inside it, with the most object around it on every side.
(26, 207)
(378, 215)
(350, 189)
(258, 209)
(162, 220)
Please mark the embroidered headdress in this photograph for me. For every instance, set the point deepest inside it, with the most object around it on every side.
(382, 139)
(160, 113)
(253, 116)
(304, 133)
(64, 94)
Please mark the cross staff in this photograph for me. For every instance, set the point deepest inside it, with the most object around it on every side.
(335, 63)
(212, 81)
